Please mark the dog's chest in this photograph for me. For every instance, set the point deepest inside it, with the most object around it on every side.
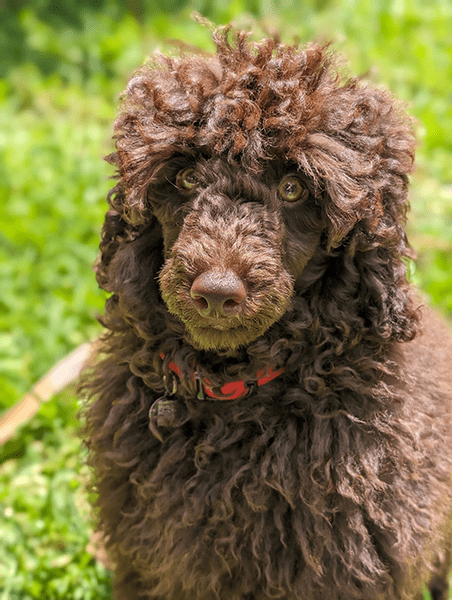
(273, 507)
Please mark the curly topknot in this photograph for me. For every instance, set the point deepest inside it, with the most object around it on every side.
(260, 101)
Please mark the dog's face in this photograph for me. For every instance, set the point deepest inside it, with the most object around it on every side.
(235, 243)
(256, 163)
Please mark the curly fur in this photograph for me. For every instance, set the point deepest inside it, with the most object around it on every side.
(334, 478)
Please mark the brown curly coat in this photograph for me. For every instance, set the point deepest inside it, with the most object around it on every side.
(258, 223)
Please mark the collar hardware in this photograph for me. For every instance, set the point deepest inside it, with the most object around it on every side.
(163, 410)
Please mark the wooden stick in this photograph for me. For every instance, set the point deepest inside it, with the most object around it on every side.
(65, 372)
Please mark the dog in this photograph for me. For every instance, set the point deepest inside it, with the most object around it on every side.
(270, 408)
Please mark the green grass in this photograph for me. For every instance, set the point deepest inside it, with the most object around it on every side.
(44, 524)
(63, 69)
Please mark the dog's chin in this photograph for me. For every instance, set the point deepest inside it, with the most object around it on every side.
(222, 341)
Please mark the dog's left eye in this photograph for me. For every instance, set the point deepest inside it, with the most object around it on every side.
(186, 179)
(292, 189)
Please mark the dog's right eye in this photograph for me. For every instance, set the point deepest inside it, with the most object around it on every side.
(186, 179)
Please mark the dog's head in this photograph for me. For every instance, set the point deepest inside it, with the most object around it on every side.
(253, 177)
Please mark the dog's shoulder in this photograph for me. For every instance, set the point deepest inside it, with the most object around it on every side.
(428, 357)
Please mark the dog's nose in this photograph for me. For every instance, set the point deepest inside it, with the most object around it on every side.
(218, 293)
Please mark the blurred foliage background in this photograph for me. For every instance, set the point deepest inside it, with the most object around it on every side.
(63, 65)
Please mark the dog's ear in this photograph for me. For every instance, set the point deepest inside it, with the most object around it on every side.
(113, 231)
(130, 258)
(363, 295)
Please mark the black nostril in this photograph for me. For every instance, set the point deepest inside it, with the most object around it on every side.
(218, 293)
(230, 303)
(200, 302)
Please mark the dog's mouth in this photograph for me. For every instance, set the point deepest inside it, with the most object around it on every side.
(223, 339)
(220, 325)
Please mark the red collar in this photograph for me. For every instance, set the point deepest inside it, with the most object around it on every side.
(231, 390)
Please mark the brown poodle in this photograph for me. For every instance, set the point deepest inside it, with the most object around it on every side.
(267, 419)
